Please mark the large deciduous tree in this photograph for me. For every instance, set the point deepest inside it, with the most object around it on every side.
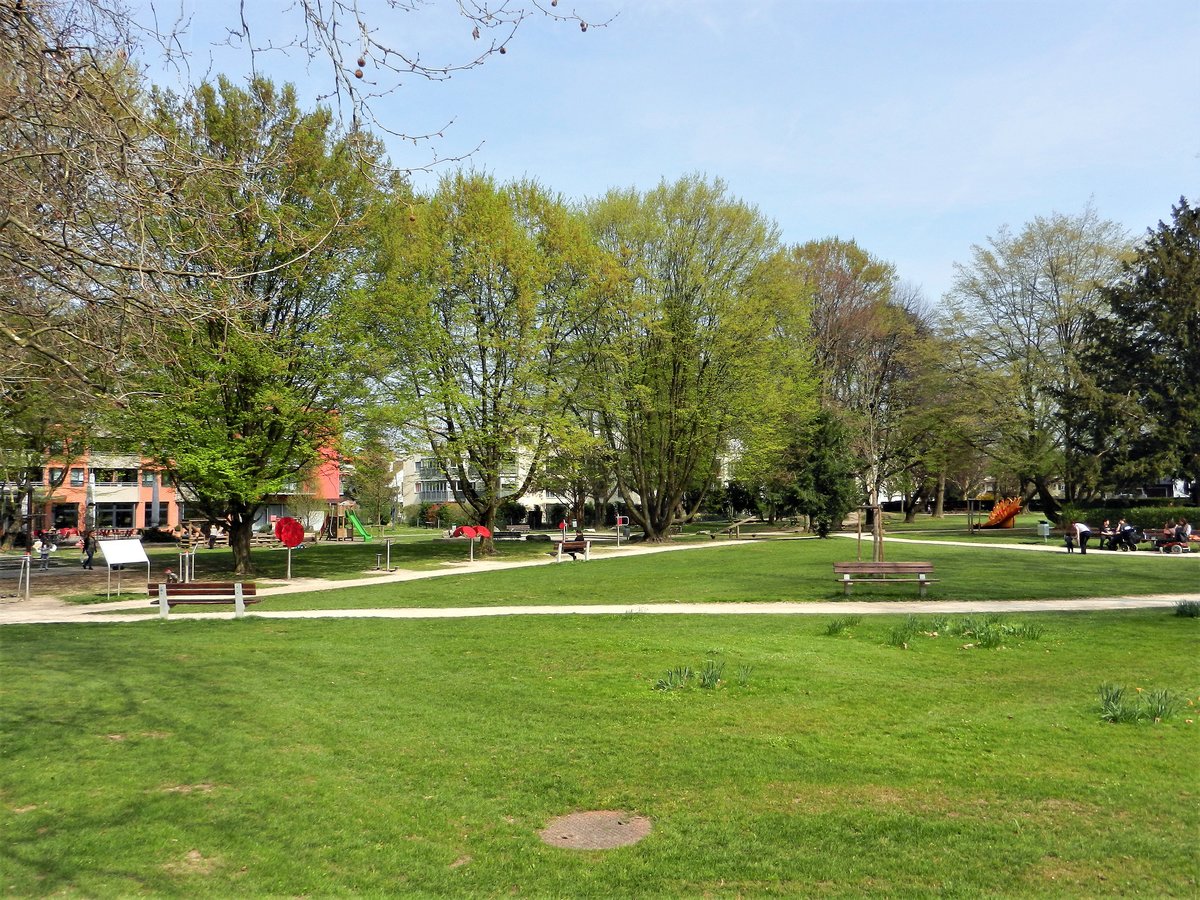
(1018, 310)
(1143, 356)
(866, 326)
(480, 290)
(87, 187)
(245, 396)
(683, 364)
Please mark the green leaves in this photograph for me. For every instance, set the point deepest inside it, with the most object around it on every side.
(683, 355)
(480, 293)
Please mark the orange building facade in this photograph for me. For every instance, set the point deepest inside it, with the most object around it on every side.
(127, 493)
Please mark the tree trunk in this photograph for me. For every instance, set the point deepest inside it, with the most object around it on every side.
(939, 506)
(1051, 508)
(241, 527)
(876, 527)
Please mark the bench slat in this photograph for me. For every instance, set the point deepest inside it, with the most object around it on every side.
(851, 573)
(867, 568)
(205, 601)
(169, 594)
(571, 548)
(202, 588)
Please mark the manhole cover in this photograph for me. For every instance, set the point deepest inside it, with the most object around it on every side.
(597, 830)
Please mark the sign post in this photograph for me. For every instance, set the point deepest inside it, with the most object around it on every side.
(622, 522)
(291, 534)
(120, 553)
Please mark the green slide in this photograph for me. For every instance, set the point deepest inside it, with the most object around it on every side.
(358, 526)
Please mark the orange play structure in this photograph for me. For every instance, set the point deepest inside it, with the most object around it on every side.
(1004, 513)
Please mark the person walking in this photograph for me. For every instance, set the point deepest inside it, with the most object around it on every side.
(89, 548)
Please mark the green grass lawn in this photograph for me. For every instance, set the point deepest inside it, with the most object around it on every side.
(350, 757)
(786, 570)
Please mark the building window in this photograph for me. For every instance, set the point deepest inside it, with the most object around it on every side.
(77, 478)
(116, 476)
(56, 476)
(115, 515)
(66, 515)
(148, 519)
(148, 477)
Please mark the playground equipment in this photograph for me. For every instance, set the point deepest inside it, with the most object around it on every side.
(1004, 513)
(472, 533)
(342, 524)
(358, 526)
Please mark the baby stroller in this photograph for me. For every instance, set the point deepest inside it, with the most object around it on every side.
(1126, 539)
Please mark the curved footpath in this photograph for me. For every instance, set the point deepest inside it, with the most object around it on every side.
(50, 610)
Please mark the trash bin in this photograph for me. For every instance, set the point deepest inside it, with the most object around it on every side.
(1043, 529)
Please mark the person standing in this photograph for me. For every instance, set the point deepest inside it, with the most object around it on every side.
(42, 546)
(1083, 534)
(89, 548)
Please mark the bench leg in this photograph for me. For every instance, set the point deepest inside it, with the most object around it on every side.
(239, 602)
(163, 609)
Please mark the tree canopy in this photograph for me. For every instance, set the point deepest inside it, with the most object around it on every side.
(246, 395)
(1143, 359)
(1018, 309)
(481, 288)
(682, 359)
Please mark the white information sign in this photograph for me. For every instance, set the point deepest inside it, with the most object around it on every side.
(118, 552)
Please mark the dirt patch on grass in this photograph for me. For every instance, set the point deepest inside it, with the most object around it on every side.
(595, 830)
(202, 788)
(194, 863)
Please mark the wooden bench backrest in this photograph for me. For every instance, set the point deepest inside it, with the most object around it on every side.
(573, 545)
(202, 589)
(882, 568)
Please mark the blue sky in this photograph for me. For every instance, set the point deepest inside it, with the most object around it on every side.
(916, 128)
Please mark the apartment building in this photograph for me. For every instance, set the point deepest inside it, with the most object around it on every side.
(128, 492)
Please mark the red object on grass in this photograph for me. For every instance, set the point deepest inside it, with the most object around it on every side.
(464, 531)
(483, 531)
(290, 532)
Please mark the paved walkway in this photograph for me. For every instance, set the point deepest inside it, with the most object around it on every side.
(51, 610)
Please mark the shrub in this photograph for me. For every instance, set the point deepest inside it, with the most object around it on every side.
(1113, 705)
(840, 624)
(710, 674)
(1118, 706)
(675, 679)
(902, 635)
(1189, 609)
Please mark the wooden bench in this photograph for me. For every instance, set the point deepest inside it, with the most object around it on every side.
(571, 548)
(203, 593)
(519, 527)
(884, 573)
